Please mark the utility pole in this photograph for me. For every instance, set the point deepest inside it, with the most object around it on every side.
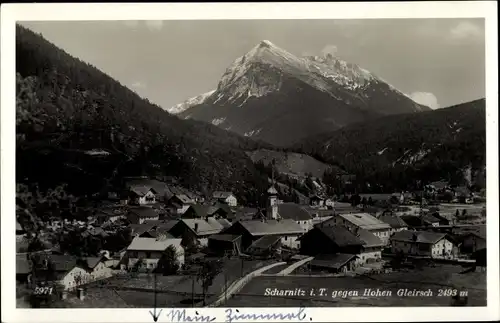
(192, 291)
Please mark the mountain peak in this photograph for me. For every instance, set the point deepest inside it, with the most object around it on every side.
(266, 43)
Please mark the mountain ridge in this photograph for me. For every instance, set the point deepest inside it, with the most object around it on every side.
(327, 88)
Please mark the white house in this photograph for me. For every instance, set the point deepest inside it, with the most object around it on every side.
(149, 251)
(422, 243)
(141, 195)
(225, 197)
(72, 272)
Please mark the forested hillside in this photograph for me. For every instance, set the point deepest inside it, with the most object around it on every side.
(396, 152)
(78, 126)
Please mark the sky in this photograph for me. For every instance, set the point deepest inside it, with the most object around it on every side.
(438, 62)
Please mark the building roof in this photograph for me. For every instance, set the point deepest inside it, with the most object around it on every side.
(334, 261)
(338, 235)
(293, 211)
(141, 190)
(369, 239)
(157, 186)
(440, 184)
(377, 197)
(18, 226)
(225, 223)
(63, 263)
(141, 228)
(272, 227)
(224, 237)
(144, 212)
(429, 218)
(221, 195)
(153, 244)
(365, 221)
(204, 226)
(91, 262)
(184, 198)
(394, 221)
(264, 242)
(428, 237)
(412, 220)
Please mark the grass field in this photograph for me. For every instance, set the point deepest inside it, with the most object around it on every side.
(442, 277)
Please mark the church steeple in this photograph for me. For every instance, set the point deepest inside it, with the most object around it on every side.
(272, 199)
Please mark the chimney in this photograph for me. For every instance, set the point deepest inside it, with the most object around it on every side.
(81, 294)
(196, 227)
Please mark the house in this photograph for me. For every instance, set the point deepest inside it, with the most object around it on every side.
(422, 243)
(179, 203)
(196, 231)
(474, 240)
(334, 263)
(442, 219)
(160, 188)
(372, 246)
(429, 219)
(142, 214)
(330, 240)
(148, 251)
(316, 200)
(72, 272)
(141, 195)
(363, 221)
(396, 223)
(225, 197)
(288, 230)
(224, 244)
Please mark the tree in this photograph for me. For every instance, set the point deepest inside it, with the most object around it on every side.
(168, 263)
(206, 275)
(370, 201)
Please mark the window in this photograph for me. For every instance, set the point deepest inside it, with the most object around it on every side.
(148, 254)
(286, 238)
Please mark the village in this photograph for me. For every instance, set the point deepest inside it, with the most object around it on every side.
(193, 250)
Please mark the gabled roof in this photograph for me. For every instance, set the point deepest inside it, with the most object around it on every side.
(272, 227)
(427, 237)
(91, 262)
(225, 223)
(365, 221)
(141, 190)
(221, 195)
(394, 221)
(157, 186)
(337, 234)
(144, 212)
(153, 244)
(369, 239)
(224, 237)
(412, 220)
(429, 218)
(293, 211)
(63, 263)
(264, 242)
(204, 226)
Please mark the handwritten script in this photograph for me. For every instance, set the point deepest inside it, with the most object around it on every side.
(234, 315)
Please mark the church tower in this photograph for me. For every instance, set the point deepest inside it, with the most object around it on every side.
(272, 200)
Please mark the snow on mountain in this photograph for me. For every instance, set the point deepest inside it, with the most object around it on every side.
(181, 107)
(290, 97)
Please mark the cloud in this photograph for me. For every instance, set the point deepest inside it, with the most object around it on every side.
(466, 29)
(329, 49)
(426, 98)
(154, 24)
(138, 85)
